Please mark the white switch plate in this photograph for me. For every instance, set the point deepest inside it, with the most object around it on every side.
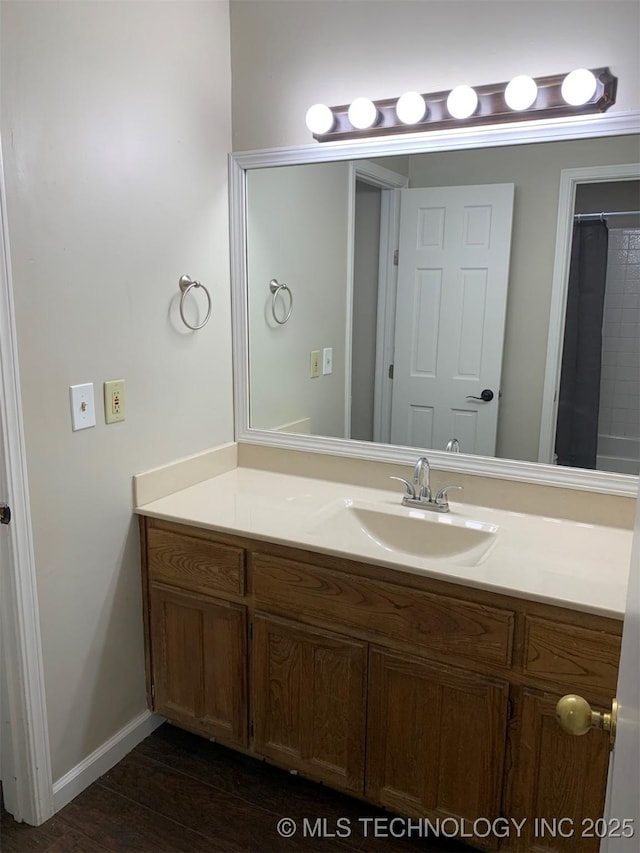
(327, 361)
(83, 410)
(114, 401)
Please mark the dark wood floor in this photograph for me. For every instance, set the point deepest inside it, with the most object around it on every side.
(178, 792)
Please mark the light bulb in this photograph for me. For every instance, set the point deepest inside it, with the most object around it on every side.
(363, 113)
(521, 92)
(411, 108)
(462, 102)
(320, 119)
(579, 86)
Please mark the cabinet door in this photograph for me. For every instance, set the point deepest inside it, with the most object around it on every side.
(436, 739)
(199, 662)
(559, 780)
(308, 689)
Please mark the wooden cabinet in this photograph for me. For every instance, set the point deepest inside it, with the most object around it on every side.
(429, 698)
(436, 739)
(199, 662)
(560, 780)
(386, 611)
(308, 695)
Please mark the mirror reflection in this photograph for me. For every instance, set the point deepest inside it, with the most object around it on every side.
(418, 290)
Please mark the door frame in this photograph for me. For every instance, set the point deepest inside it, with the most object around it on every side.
(389, 183)
(28, 788)
(569, 181)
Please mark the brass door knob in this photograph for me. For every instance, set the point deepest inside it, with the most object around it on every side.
(576, 717)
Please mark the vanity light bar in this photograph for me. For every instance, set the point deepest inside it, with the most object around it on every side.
(553, 100)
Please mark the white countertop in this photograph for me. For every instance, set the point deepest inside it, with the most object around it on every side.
(567, 563)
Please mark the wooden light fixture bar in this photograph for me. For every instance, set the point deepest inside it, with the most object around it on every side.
(492, 109)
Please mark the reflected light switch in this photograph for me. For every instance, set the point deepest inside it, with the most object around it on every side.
(327, 361)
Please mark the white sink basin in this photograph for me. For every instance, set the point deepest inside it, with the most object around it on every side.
(402, 530)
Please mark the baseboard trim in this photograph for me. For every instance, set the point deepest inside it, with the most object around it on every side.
(104, 758)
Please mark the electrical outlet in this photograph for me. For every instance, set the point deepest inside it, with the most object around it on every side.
(327, 361)
(114, 401)
(83, 410)
(314, 368)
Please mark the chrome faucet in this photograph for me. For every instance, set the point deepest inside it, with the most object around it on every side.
(421, 479)
(418, 492)
(453, 446)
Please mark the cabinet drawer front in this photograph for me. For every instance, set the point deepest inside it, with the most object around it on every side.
(385, 609)
(194, 564)
(571, 656)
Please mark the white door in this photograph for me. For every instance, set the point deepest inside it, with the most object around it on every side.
(453, 273)
(24, 761)
(7, 771)
(623, 796)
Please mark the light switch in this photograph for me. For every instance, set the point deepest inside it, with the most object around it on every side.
(83, 410)
(327, 361)
(114, 401)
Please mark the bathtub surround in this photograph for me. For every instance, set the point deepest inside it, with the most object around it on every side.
(619, 421)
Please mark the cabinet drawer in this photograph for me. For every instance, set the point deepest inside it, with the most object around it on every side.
(449, 625)
(195, 564)
(571, 656)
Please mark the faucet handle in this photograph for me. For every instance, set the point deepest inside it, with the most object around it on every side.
(441, 497)
(411, 492)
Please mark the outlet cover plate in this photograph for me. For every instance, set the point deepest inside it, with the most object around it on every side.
(114, 401)
(314, 364)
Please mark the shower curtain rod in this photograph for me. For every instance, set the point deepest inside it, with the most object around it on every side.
(580, 216)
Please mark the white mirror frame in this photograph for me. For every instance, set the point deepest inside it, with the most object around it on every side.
(612, 124)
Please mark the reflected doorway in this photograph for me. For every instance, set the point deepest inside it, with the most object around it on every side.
(598, 424)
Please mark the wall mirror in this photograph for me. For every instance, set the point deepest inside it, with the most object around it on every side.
(394, 295)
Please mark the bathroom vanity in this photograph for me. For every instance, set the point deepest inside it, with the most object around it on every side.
(426, 685)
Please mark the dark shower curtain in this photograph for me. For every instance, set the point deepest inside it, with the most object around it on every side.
(579, 399)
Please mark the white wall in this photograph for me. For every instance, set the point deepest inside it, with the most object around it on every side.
(289, 55)
(115, 130)
(298, 228)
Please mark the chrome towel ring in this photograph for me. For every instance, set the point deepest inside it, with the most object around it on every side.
(186, 283)
(275, 290)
